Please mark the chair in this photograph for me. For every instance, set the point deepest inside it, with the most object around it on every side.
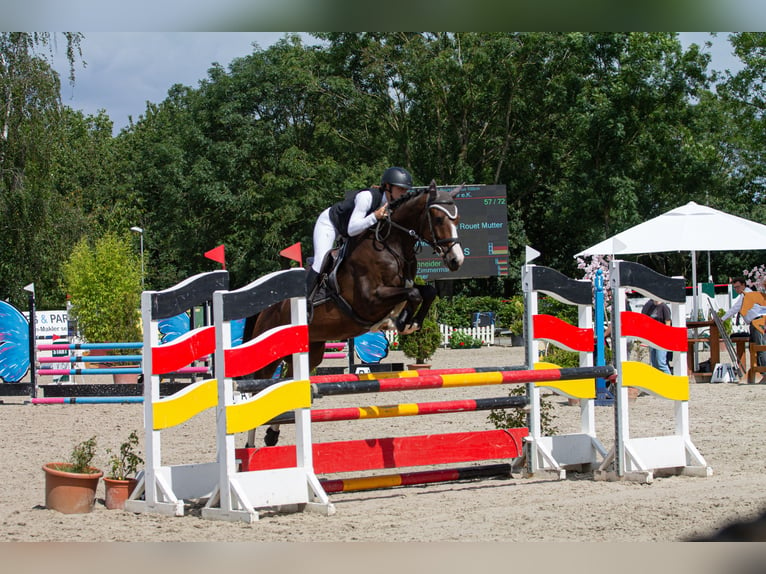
(754, 368)
(749, 300)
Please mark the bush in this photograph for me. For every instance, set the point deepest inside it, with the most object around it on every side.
(423, 343)
(458, 311)
(517, 418)
(461, 340)
(104, 283)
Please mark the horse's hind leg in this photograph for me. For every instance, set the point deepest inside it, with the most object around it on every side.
(271, 438)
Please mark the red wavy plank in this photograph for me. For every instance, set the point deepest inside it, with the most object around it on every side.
(172, 356)
(644, 327)
(554, 329)
(248, 358)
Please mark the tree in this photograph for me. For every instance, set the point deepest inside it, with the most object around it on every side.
(104, 282)
(30, 115)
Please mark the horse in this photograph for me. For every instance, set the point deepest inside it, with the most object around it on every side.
(368, 284)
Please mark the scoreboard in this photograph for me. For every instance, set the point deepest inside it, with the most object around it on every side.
(483, 233)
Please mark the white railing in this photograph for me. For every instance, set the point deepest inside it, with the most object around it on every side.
(484, 334)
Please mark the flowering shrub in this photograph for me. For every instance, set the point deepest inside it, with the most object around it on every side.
(460, 340)
(755, 278)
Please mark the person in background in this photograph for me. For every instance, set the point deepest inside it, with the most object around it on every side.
(755, 312)
(658, 311)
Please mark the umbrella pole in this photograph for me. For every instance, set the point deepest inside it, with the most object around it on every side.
(695, 304)
(695, 307)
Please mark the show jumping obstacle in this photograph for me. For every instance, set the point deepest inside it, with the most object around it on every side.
(241, 481)
(429, 450)
(231, 495)
(640, 459)
(164, 488)
(72, 390)
(558, 453)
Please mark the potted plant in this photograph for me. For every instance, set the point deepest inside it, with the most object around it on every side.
(422, 344)
(70, 487)
(103, 281)
(517, 332)
(120, 479)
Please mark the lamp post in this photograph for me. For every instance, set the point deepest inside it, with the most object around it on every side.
(141, 233)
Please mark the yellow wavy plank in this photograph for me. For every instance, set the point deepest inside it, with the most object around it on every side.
(576, 388)
(268, 404)
(185, 404)
(646, 377)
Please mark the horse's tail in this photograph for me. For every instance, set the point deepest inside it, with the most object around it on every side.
(249, 328)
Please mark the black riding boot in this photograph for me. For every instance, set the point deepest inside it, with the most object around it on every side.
(312, 277)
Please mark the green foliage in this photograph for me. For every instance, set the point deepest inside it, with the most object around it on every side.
(590, 132)
(561, 357)
(124, 464)
(565, 312)
(81, 458)
(458, 311)
(423, 343)
(726, 324)
(461, 340)
(104, 283)
(510, 315)
(516, 418)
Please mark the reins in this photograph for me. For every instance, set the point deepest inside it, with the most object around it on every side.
(436, 245)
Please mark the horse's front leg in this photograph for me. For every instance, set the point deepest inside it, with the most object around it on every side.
(427, 294)
(390, 297)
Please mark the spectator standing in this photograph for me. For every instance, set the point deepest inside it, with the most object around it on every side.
(658, 311)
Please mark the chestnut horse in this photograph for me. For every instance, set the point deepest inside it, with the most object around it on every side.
(372, 287)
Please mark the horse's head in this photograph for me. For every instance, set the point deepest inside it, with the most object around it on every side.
(443, 218)
(431, 216)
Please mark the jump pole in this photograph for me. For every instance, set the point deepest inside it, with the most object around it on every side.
(415, 478)
(85, 400)
(407, 409)
(437, 381)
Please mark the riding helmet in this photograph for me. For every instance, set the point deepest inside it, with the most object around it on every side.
(397, 176)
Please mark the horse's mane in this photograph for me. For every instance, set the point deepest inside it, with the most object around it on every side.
(407, 197)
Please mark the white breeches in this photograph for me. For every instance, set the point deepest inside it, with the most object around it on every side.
(324, 238)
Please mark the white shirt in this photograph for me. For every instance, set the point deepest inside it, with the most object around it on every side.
(360, 221)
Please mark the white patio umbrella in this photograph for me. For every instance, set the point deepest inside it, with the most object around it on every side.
(691, 227)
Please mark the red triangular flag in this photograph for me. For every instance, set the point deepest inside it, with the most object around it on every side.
(293, 252)
(218, 255)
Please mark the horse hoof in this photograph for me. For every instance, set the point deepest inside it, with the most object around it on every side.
(271, 438)
(409, 329)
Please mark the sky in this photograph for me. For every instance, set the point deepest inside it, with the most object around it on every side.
(125, 70)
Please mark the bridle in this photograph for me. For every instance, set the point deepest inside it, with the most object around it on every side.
(440, 246)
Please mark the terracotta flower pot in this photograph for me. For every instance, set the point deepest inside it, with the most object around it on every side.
(117, 492)
(418, 366)
(125, 378)
(70, 492)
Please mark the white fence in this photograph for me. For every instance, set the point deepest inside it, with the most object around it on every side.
(485, 334)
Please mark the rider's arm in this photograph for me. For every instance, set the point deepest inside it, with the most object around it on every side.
(360, 221)
(735, 308)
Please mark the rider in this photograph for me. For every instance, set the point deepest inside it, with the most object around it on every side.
(355, 215)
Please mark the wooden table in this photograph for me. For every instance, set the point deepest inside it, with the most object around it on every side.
(714, 343)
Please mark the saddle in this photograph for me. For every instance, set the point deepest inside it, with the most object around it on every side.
(328, 289)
